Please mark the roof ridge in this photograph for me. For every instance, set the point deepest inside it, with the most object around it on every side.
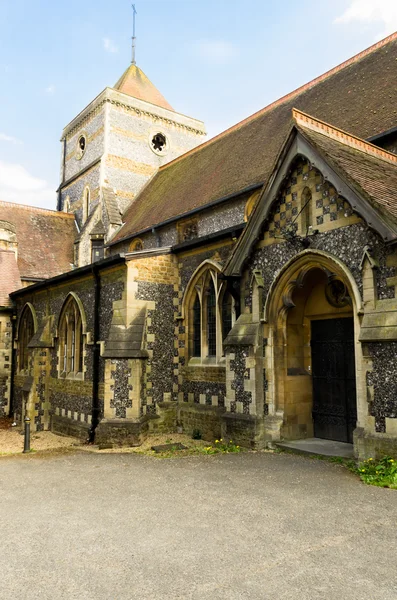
(286, 97)
(339, 134)
(36, 208)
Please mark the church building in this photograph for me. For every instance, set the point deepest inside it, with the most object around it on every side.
(243, 286)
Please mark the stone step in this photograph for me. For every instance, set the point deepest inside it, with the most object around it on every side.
(318, 447)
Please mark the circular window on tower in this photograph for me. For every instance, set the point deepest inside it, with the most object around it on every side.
(159, 144)
(81, 146)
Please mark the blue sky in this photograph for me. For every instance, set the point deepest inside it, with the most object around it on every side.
(218, 61)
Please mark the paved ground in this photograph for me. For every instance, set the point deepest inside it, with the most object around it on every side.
(319, 446)
(248, 526)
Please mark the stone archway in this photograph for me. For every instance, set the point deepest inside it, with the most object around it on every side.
(314, 292)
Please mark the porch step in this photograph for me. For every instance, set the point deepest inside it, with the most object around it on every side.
(318, 447)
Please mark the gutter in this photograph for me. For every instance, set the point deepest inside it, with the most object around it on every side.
(232, 231)
(69, 275)
(194, 211)
(380, 136)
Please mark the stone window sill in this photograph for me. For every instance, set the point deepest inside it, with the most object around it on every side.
(73, 376)
(207, 362)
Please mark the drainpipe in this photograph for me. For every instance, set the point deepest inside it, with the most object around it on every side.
(13, 358)
(95, 360)
(62, 175)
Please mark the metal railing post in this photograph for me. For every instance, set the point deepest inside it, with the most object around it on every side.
(26, 446)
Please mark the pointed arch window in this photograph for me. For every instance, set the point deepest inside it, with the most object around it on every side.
(212, 315)
(86, 203)
(71, 341)
(25, 334)
(197, 327)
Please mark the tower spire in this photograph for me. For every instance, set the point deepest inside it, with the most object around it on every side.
(133, 61)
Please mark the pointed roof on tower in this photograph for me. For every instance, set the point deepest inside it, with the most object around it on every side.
(135, 83)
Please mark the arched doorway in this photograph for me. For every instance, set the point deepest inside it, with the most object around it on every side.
(311, 312)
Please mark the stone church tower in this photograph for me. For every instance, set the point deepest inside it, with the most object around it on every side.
(111, 149)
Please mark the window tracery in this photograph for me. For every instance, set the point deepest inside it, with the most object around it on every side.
(212, 315)
(26, 332)
(71, 341)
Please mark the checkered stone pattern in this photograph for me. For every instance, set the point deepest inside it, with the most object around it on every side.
(180, 342)
(75, 415)
(121, 373)
(328, 210)
(285, 211)
(147, 405)
(240, 372)
(328, 205)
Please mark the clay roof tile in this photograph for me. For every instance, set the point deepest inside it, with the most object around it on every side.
(45, 239)
(359, 96)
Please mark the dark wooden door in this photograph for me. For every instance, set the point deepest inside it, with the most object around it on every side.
(334, 380)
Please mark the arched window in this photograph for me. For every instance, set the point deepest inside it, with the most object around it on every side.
(86, 203)
(25, 334)
(197, 327)
(136, 245)
(211, 319)
(66, 205)
(71, 342)
(212, 315)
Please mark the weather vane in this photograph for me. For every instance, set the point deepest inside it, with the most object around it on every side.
(133, 35)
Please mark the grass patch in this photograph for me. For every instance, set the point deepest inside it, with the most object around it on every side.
(382, 472)
(218, 447)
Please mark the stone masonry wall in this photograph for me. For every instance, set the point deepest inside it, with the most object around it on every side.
(208, 221)
(130, 160)
(94, 131)
(49, 394)
(156, 277)
(5, 362)
(343, 234)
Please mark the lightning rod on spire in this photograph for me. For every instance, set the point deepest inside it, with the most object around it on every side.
(133, 61)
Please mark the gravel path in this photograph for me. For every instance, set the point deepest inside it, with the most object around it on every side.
(86, 526)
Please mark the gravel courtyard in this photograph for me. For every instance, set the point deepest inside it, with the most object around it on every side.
(257, 526)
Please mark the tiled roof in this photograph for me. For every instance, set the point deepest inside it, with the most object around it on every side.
(45, 239)
(10, 279)
(371, 170)
(134, 83)
(359, 96)
(112, 207)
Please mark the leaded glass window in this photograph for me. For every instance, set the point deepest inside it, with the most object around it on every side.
(211, 319)
(71, 342)
(197, 327)
(26, 331)
(211, 316)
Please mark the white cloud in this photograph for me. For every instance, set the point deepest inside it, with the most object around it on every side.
(9, 138)
(50, 89)
(372, 12)
(109, 46)
(216, 51)
(18, 185)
